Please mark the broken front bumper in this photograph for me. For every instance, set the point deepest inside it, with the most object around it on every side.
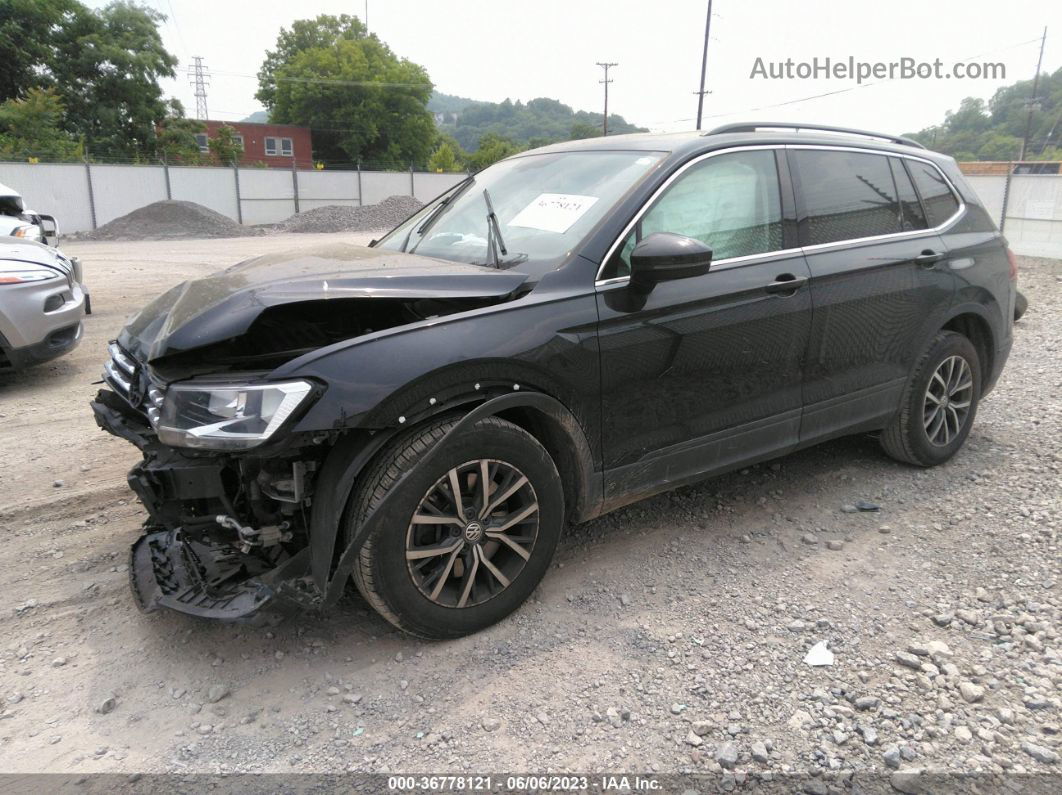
(188, 560)
(210, 580)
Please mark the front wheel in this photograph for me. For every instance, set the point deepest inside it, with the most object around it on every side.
(939, 403)
(477, 529)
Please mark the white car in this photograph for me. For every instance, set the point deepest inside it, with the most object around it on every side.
(16, 220)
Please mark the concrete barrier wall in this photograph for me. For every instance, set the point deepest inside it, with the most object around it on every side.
(265, 195)
(1033, 221)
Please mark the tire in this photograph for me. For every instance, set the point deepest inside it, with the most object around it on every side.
(406, 592)
(1021, 305)
(915, 435)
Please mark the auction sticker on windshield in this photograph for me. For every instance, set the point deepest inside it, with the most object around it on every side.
(553, 212)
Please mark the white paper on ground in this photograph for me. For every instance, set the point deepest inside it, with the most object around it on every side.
(819, 655)
(553, 212)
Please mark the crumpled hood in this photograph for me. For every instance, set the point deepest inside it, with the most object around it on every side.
(222, 306)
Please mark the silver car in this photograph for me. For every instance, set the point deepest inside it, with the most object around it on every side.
(42, 303)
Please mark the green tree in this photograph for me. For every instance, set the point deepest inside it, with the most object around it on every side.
(583, 130)
(994, 130)
(107, 69)
(361, 100)
(305, 34)
(176, 138)
(31, 127)
(225, 146)
(444, 159)
(491, 149)
(28, 30)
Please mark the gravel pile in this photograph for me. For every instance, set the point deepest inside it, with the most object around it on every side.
(338, 218)
(168, 220)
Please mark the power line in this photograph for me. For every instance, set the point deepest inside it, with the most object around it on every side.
(606, 81)
(200, 78)
(322, 80)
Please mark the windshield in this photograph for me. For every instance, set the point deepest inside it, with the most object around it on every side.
(544, 205)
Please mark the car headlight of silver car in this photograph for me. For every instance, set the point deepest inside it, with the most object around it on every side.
(23, 273)
(227, 416)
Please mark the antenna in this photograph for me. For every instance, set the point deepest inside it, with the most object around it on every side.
(199, 77)
(606, 81)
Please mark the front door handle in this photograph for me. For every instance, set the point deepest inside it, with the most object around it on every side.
(929, 258)
(786, 284)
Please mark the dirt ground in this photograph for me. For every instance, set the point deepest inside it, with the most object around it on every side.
(668, 636)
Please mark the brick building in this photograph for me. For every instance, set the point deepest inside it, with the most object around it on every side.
(276, 145)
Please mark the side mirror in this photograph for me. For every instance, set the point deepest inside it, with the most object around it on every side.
(49, 230)
(664, 256)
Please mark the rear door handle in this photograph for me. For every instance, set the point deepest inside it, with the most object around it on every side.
(786, 283)
(929, 258)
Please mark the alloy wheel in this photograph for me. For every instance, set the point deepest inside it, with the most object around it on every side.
(472, 533)
(946, 405)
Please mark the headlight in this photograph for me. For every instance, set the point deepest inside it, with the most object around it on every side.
(12, 273)
(227, 416)
(27, 232)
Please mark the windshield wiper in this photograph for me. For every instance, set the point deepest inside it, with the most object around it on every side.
(433, 216)
(495, 242)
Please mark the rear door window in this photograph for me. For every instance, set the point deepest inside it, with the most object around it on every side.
(937, 198)
(911, 216)
(846, 195)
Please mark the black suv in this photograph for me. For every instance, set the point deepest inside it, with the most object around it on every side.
(568, 331)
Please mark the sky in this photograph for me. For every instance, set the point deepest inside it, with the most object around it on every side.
(522, 49)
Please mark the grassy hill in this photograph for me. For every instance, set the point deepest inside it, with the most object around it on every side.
(537, 122)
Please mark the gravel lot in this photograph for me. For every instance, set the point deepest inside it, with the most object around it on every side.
(669, 636)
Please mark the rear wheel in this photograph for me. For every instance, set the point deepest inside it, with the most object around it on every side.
(479, 524)
(939, 403)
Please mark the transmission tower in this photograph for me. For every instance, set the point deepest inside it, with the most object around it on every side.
(199, 78)
(606, 81)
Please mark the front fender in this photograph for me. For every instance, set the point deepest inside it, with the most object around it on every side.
(350, 456)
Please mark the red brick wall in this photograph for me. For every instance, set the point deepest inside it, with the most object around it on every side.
(254, 143)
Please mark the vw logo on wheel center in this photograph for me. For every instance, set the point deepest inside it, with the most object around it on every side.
(473, 532)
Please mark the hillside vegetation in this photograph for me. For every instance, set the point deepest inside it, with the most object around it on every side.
(534, 123)
(993, 130)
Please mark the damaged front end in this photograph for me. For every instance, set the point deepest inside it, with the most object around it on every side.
(229, 471)
(226, 534)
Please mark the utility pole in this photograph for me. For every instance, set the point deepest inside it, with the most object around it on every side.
(1032, 100)
(704, 64)
(606, 81)
(199, 77)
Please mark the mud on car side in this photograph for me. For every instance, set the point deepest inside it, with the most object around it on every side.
(568, 331)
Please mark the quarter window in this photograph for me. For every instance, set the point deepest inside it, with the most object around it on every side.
(847, 195)
(912, 217)
(729, 202)
(939, 201)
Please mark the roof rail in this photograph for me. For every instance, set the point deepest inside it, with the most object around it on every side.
(753, 126)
